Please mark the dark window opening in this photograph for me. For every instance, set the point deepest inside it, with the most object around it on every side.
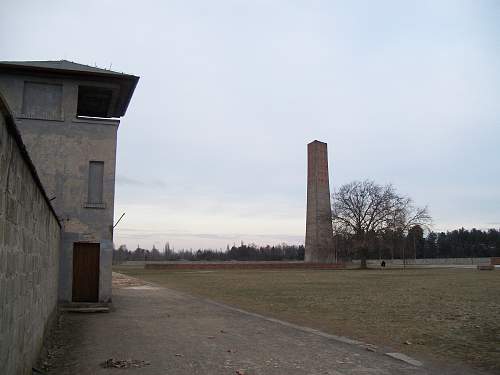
(93, 101)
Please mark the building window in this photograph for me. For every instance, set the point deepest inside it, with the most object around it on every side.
(94, 101)
(96, 176)
(42, 101)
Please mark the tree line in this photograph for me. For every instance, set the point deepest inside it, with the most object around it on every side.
(459, 243)
(243, 252)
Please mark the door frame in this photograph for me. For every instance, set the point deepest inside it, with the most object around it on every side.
(94, 247)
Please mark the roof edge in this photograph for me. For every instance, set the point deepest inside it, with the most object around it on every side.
(17, 65)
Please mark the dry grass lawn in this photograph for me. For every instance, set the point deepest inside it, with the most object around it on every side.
(450, 314)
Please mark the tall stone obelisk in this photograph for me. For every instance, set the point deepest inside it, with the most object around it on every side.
(319, 232)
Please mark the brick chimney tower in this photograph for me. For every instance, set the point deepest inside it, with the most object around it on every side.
(319, 232)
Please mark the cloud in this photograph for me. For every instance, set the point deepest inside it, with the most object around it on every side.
(213, 145)
(123, 180)
(127, 181)
(215, 240)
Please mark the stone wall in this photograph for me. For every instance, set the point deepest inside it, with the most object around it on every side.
(29, 254)
(429, 261)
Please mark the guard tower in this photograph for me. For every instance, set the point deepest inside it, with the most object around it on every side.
(68, 115)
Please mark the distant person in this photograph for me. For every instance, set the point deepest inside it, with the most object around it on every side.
(382, 264)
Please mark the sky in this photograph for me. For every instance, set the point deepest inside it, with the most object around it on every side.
(212, 150)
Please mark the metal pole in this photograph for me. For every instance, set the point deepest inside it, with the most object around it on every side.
(119, 220)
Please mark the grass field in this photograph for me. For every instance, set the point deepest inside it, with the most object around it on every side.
(439, 313)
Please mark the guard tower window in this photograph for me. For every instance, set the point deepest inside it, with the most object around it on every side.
(42, 101)
(96, 175)
(93, 101)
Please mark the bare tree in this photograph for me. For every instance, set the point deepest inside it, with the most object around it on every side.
(364, 210)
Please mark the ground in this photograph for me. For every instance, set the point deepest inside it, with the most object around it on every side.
(444, 314)
(152, 330)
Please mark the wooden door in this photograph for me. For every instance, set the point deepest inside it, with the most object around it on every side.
(85, 272)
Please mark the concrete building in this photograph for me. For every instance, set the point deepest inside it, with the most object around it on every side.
(319, 231)
(68, 115)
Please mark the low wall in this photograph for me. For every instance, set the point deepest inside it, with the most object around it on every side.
(241, 265)
(29, 252)
(429, 261)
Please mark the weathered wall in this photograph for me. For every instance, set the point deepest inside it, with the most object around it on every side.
(61, 146)
(319, 232)
(29, 252)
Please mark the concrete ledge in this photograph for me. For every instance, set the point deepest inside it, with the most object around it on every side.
(84, 307)
(243, 265)
(97, 121)
(486, 267)
(95, 205)
(87, 309)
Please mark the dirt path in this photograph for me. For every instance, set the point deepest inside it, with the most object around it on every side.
(154, 330)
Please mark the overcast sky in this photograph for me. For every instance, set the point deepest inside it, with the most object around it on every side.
(212, 149)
